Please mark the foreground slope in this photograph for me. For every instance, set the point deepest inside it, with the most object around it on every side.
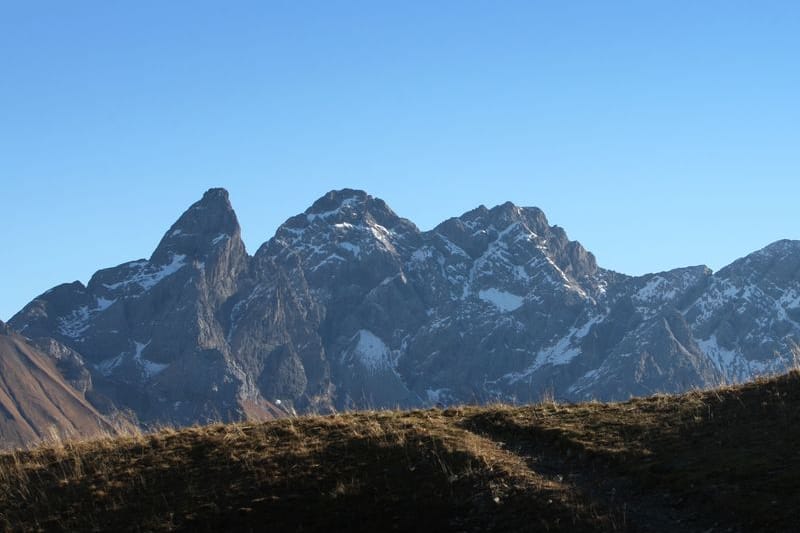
(723, 460)
(36, 402)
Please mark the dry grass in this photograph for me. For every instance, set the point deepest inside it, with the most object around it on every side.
(725, 459)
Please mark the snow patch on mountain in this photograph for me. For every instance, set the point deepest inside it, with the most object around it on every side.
(372, 352)
(107, 366)
(720, 294)
(562, 352)
(330, 259)
(354, 249)
(451, 247)
(656, 289)
(734, 366)
(790, 299)
(346, 203)
(521, 274)
(147, 277)
(78, 321)
(586, 381)
(727, 361)
(75, 323)
(382, 235)
(149, 368)
(505, 301)
(103, 303)
(437, 396)
(564, 280)
(422, 254)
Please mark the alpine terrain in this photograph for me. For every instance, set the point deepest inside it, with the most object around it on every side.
(350, 306)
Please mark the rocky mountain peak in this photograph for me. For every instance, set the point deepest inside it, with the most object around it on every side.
(475, 230)
(351, 206)
(205, 225)
(781, 249)
(338, 200)
(501, 216)
(216, 194)
(3, 328)
(505, 214)
(345, 223)
(780, 259)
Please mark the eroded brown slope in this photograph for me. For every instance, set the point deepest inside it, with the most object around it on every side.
(36, 403)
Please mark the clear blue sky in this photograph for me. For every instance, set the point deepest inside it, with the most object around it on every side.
(658, 133)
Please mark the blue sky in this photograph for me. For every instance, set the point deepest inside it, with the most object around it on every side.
(658, 133)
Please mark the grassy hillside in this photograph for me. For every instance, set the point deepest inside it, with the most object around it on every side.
(725, 460)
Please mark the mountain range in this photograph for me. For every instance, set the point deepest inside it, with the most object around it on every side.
(350, 306)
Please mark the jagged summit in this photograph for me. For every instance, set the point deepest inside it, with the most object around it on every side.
(342, 224)
(509, 230)
(215, 194)
(781, 247)
(781, 259)
(351, 206)
(343, 209)
(502, 215)
(507, 213)
(475, 228)
(336, 199)
(202, 227)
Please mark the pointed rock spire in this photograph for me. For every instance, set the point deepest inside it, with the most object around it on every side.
(206, 224)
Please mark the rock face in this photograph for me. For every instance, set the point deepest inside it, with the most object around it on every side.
(151, 329)
(351, 306)
(36, 402)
